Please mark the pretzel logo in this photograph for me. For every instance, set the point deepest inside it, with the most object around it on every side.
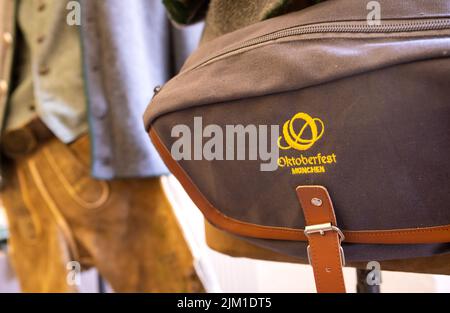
(301, 136)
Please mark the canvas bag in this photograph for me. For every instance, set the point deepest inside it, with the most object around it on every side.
(363, 113)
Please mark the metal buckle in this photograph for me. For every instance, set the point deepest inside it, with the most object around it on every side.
(322, 229)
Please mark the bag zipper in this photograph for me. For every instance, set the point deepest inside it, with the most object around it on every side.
(344, 27)
(335, 27)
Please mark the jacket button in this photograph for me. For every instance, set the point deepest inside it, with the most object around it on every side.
(7, 38)
(44, 70)
(106, 161)
(3, 87)
(40, 39)
(41, 7)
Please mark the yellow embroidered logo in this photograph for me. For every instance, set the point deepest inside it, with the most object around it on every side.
(300, 133)
(301, 136)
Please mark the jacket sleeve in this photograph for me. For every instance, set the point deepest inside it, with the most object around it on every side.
(186, 12)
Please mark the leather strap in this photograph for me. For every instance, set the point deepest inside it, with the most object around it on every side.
(324, 251)
(415, 235)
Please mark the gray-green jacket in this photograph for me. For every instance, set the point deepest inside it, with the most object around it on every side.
(129, 47)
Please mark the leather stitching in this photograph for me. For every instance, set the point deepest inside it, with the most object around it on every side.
(230, 224)
(54, 210)
(339, 260)
(105, 189)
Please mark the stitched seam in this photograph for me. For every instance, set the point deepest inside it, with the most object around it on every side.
(418, 230)
(339, 273)
(335, 262)
(330, 216)
(59, 218)
(29, 204)
(267, 229)
(314, 264)
(306, 214)
(71, 191)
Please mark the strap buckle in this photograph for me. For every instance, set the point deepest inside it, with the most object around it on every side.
(322, 229)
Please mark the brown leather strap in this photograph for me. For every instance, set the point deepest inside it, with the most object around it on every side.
(433, 234)
(324, 250)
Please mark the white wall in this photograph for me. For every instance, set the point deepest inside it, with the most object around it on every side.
(223, 273)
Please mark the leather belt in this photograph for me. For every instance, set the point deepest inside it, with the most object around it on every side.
(23, 141)
(325, 253)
